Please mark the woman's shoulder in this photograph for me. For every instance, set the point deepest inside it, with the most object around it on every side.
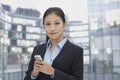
(75, 46)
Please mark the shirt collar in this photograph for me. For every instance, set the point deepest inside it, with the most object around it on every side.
(60, 44)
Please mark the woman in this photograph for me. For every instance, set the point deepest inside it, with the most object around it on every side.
(62, 60)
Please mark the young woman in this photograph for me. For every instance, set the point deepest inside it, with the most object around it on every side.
(61, 59)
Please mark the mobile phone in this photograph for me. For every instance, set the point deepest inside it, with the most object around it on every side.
(38, 57)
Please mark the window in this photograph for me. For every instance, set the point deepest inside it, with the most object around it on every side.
(33, 36)
(33, 29)
(13, 42)
(14, 27)
(113, 16)
(16, 50)
(19, 28)
(78, 34)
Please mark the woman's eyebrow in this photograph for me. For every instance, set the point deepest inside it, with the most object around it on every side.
(57, 20)
(47, 21)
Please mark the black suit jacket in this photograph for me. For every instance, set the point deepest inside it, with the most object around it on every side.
(68, 64)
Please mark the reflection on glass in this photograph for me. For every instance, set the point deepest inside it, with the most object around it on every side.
(19, 28)
(21, 42)
(111, 16)
(16, 50)
(31, 43)
(26, 43)
(33, 36)
(13, 59)
(24, 21)
(5, 34)
(8, 18)
(86, 59)
(116, 59)
(7, 26)
(116, 44)
(6, 41)
(96, 51)
(33, 29)
(94, 26)
(19, 35)
(86, 52)
(109, 50)
(30, 49)
(78, 34)
(98, 42)
(78, 28)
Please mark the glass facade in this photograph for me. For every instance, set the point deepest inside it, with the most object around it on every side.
(79, 35)
(2, 43)
(18, 36)
(104, 25)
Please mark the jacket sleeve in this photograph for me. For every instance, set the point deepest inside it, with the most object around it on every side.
(77, 68)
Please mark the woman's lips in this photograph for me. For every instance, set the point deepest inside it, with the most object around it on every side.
(53, 33)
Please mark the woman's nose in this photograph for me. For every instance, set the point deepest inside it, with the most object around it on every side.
(52, 27)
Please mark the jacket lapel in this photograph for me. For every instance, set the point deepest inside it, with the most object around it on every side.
(65, 50)
(42, 50)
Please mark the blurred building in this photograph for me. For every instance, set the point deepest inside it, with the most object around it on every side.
(20, 31)
(104, 25)
(27, 12)
(78, 33)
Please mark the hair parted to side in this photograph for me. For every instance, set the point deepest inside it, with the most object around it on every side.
(58, 11)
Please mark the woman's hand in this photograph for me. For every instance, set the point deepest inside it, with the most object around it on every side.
(46, 68)
(36, 67)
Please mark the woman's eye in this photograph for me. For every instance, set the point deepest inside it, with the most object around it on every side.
(57, 23)
(47, 24)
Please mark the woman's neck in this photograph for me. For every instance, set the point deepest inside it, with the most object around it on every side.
(55, 41)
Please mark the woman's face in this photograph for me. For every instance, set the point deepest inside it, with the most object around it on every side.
(54, 26)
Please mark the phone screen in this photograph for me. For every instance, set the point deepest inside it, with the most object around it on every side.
(38, 57)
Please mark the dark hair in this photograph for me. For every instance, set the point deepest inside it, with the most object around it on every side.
(58, 11)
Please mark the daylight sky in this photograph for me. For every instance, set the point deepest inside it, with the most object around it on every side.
(76, 10)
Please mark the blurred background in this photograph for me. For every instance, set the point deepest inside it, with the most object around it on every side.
(92, 24)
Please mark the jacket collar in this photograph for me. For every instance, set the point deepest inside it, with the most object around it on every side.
(64, 51)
